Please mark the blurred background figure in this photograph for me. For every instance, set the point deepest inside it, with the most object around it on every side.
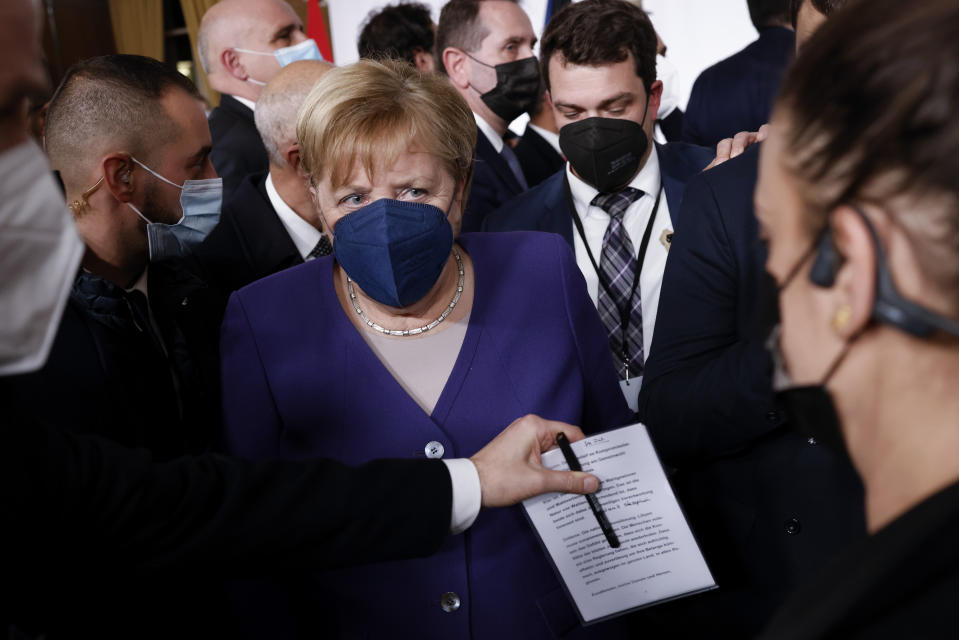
(737, 93)
(485, 47)
(859, 203)
(538, 149)
(270, 223)
(404, 31)
(242, 44)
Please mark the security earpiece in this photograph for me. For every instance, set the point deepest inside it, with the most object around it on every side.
(826, 265)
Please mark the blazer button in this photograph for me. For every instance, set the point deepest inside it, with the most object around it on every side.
(792, 526)
(185, 302)
(434, 449)
(772, 416)
(450, 602)
(811, 441)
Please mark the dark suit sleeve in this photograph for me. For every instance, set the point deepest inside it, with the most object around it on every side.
(483, 199)
(75, 502)
(604, 406)
(706, 388)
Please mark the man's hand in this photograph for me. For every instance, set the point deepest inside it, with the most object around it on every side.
(510, 468)
(731, 147)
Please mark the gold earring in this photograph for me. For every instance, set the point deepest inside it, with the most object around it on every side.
(842, 317)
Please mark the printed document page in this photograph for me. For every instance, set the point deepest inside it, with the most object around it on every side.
(658, 558)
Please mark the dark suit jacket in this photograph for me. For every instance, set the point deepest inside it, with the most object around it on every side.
(493, 184)
(545, 207)
(900, 582)
(736, 94)
(769, 508)
(238, 150)
(79, 513)
(250, 242)
(537, 157)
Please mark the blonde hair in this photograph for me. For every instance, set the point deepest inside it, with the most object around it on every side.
(372, 110)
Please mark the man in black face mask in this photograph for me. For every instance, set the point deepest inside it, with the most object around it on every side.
(616, 200)
(486, 49)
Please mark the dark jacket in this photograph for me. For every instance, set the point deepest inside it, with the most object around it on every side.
(546, 208)
(90, 527)
(900, 582)
(768, 507)
(238, 150)
(111, 373)
(737, 94)
(249, 243)
(493, 184)
(537, 157)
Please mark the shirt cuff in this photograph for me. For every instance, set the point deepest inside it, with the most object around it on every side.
(467, 494)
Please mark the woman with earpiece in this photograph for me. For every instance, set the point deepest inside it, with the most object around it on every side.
(858, 199)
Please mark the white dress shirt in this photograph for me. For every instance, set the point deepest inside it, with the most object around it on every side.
(494, 138)
(467, 493)
(549, 136)
(595, 221)
(245, 102)
(302, 233)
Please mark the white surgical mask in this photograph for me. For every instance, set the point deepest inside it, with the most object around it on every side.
(306, 50)
(201, 201)
(667, 73)
(40, 253)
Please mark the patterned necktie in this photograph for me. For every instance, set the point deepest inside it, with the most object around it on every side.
(617, 266)
(322, 248)
(514, 167)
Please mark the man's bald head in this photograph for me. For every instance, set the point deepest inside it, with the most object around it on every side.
(255, 25)
(279, 103)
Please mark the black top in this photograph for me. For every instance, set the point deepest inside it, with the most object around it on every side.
(902, 582)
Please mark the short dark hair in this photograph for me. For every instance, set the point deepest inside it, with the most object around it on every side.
(825, 7)
(769, 13)
(115, 97)
(459, 27)
(881, 123)
(601, 32)
(397, 31)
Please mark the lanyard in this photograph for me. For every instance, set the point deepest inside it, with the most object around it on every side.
(625, 312)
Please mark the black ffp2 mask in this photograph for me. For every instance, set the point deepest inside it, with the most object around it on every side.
(604, 152)
(517, 88)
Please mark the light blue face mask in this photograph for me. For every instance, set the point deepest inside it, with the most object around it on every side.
(306, 50)
(200, 201)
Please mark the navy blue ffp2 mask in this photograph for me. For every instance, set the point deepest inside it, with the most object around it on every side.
(394, 250)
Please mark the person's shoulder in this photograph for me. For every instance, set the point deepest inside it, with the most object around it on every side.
(289, 287)
(684, 157)
(516, 213)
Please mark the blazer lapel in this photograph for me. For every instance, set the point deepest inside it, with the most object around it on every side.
(672, 183)
(270, 247)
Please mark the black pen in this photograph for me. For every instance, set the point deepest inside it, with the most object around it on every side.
(594, 505)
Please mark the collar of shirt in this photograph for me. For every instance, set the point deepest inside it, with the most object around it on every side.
(141, 284)
(494, 138)
(549, 136)
(245, 102)
(302, 233)
(647, 180)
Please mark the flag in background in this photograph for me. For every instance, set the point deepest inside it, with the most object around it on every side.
(316, 21)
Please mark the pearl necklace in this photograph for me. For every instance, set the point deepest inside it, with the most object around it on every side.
(419, 330)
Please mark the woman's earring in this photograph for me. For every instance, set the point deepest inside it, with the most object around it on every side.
(842, 317)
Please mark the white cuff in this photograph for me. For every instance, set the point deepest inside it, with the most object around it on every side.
(467, 494)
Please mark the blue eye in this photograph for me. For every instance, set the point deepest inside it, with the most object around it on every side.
(352, 200)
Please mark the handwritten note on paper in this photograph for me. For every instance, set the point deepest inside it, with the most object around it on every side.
(658, 558)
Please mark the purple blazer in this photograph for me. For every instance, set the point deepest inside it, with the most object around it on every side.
(299, 381)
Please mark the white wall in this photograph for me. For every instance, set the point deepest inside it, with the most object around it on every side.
(697, 33)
